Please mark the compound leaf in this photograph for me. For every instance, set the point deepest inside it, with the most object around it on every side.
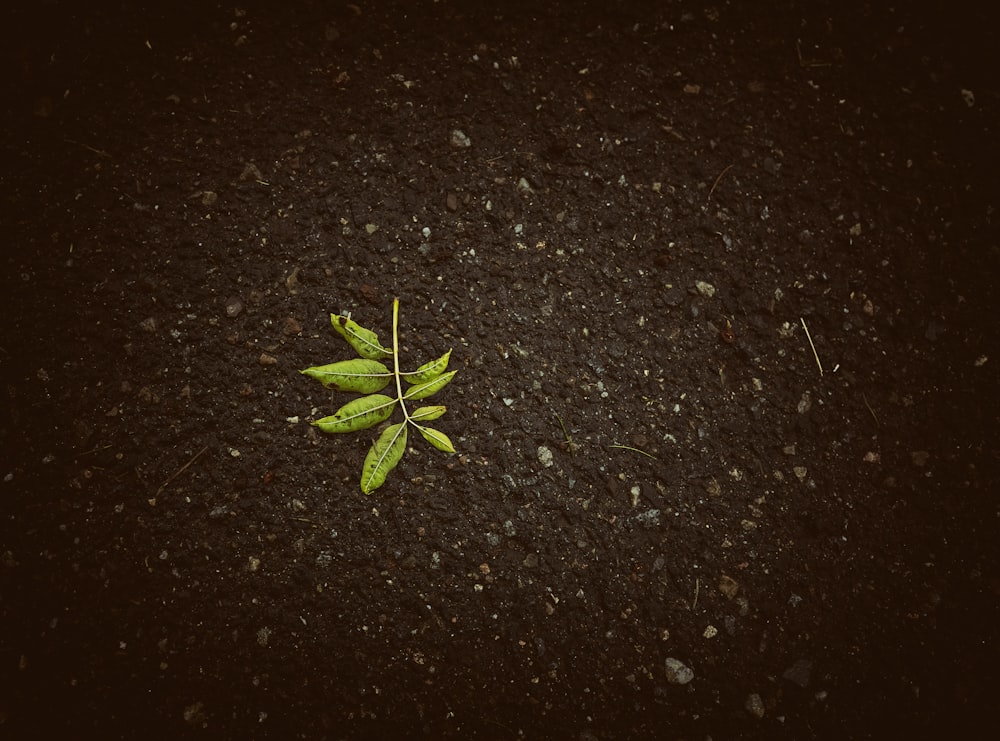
(428, 371)
(359, 414)
(429, 388)
(385, 453)
(364, 341)
(436, 438)
(367, 375)
(361, 375)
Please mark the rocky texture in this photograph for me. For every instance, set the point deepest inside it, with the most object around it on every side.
(718, 281)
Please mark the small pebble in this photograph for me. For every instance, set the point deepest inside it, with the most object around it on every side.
(728, 586)
(634, 495)
(677, 672)
(799, 673)
(805, 403)
(705, 289)
(648, 518)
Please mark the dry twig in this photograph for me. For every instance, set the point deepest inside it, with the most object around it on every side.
(716, 183)
(635, 450)
(809, 337)
(181, 470)
(99, 152)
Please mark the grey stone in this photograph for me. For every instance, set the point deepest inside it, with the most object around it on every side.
(755, 706)
(677, 672)
(799, 673)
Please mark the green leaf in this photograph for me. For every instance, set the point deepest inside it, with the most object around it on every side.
(429, 388)
(436, 438)
(363, 376)
(428, 371)
(364, 341)
(426, 414)
(385, 453)
(369, 374)
(359, 414)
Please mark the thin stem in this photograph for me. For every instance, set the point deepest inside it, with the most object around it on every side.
(182, 469)
(865, 400)
(395, 357)
(716, 183)
(809, 337)
(634, 450)
(570, 445)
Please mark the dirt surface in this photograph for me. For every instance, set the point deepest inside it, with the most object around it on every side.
(720, 288)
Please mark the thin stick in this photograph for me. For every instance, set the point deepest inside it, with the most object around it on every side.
(570, 445)
(809, 337)
(697, 586)
(635, 450)
(99, 152)
(874, 416)
(716, 183)
(808, 62)
(181, 470)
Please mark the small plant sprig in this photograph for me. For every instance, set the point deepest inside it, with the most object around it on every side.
(367, 375)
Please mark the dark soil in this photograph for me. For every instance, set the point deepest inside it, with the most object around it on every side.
(659, 201)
